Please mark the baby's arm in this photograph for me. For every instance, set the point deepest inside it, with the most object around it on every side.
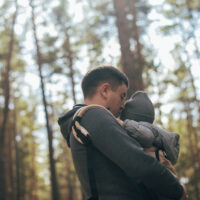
(139, 132)
(149, 135)
(142, 134)
(169, 142)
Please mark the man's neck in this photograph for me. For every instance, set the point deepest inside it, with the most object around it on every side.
(94, 100)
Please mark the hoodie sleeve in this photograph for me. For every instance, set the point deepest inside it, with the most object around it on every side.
(112, 140)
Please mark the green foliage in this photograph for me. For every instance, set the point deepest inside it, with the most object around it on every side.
(185, 165)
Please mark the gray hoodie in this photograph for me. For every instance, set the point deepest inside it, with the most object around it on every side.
(119, 163)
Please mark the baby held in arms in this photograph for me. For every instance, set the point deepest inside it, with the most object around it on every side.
(137, 118)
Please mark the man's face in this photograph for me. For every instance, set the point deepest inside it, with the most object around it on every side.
(117, 99)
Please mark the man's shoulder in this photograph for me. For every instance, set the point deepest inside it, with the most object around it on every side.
(96, 112)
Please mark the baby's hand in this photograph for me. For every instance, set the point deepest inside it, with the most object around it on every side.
(120, 121)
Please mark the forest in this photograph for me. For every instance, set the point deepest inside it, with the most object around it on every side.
(46, 47)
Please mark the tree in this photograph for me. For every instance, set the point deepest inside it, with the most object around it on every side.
(130, 66)
(184, 100)
(6, 107)
(54, 186)
(184, 25)
(126, 14)
(66, 31)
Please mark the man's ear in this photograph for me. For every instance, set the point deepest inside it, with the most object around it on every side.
(105, 90)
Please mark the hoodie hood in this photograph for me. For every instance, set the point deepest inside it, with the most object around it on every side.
(65, 122)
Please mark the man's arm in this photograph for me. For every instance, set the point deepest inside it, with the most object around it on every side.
(111, 139)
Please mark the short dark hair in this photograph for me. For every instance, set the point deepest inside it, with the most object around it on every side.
(99, 75)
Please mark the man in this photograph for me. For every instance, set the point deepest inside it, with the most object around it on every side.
(116, 167)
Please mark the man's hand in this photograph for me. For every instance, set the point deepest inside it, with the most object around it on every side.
(185, 195)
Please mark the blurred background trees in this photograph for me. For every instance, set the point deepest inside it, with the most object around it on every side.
(45, 49)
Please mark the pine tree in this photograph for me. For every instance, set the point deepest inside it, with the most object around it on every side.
(3, 125)
(54, 186)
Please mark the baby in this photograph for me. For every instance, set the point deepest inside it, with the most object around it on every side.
(138, 116)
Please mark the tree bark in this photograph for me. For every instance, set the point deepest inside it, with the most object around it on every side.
(69, 56)
(197, 52)
(34, 182)
(194, 154)
(196, 100)
(54, 186)
(70, 182)
(139, 56)
(18, 178)
(17, 156)
(6, 109)
(10, 165)
(128, 59)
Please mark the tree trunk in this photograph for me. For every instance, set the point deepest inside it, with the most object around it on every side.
(33, 183)
(196, 100)
(70, 60)
(194, 154)
(10, 165)
(6, 109)
(195, 90)
(139, 56)
(195, 27)
(54, 186)
(69, 179)
(17, 156)
(128, 59)
(196, 139)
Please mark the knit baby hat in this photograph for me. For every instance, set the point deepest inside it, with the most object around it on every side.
(139, 108)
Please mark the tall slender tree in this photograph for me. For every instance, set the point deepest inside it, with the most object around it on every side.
(183, 84)
(17, 159)
(10, 161)
(64, 23)
(184, 24)
(6, 106)
(132, 62)
(54, 185)
(125, 13)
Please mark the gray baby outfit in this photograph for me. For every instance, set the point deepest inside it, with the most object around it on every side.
(138, 115)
